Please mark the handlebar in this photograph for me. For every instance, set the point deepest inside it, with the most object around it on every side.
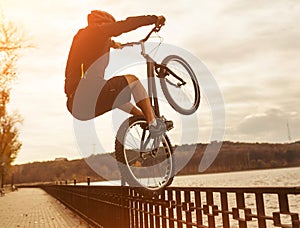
(155, 29)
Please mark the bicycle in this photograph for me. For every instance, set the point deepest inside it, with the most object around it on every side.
(145, 162)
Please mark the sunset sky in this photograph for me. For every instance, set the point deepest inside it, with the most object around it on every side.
(251, 48)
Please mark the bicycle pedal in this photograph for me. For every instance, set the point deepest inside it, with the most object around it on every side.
(169, 125)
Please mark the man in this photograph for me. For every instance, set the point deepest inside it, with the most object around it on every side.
(89, 94)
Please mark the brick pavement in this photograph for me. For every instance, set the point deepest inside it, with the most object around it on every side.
(32, 207)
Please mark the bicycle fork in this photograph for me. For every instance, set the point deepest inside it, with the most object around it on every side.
(152, 146)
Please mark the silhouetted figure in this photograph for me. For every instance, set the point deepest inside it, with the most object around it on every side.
(89, 94)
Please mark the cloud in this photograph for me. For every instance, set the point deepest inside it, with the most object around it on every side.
(254, 52)
(268, 126)
(243, 32)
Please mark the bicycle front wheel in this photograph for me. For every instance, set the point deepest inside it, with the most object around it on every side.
(142, 162)
(180, 85)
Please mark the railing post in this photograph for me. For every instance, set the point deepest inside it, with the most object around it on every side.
(210, 204)
(187, 208)
(171, 208)
(224, 205)
(164, 209)
(146, 216)
(178, 208)
(241, 205)
(151, 217)
(283, 203)
(141, 213)
(157, 213)
(198, 207)
(135, 210)
(260, 207)
(125, 222)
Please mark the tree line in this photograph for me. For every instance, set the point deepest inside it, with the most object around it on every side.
(232, 157)
(246, 156)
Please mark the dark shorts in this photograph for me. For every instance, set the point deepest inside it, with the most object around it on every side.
(94, 98)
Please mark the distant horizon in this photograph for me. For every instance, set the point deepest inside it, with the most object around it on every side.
(79, 158)
(233, 157)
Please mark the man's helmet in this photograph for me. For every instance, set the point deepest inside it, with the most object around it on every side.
(100, 17)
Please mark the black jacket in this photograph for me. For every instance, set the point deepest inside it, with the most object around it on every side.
(92, 42)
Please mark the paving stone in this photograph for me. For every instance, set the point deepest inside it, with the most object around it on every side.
(33, 207)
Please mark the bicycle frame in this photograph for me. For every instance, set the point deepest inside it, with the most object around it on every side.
(152, 91)
(153, 67)
(161, 72)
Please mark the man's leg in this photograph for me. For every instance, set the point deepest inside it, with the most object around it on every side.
(156, 126)
(131, 109)
(141, 97)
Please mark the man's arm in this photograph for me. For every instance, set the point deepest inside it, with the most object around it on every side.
(131, 23)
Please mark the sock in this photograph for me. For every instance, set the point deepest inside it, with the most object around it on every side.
(153, 123)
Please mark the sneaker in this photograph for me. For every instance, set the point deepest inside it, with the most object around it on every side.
(161, 127)
(168, 123)
(157, 130)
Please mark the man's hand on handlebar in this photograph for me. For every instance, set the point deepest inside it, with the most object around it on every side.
(160, 21)
(158, 24)
(116, 45)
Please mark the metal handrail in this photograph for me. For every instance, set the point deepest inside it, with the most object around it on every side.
(123, 206)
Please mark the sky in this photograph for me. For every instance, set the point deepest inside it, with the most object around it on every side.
(251, 48)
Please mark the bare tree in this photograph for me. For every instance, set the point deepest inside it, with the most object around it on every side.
(12, 39)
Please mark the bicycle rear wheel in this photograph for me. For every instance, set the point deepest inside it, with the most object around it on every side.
(141, 163)
(183, 96)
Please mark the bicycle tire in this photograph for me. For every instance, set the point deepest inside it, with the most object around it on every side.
(186, 98)
(149, 175)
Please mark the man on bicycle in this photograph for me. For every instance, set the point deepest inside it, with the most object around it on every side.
(88, 94)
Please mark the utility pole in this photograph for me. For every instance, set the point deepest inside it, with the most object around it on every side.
(289, 132)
